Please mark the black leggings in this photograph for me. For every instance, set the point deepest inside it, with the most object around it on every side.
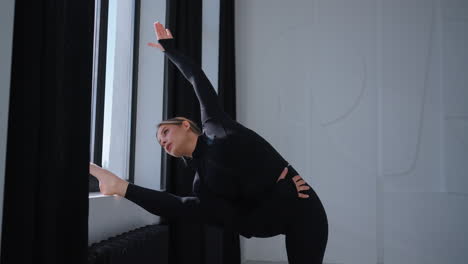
(307, 234)
(303, 221)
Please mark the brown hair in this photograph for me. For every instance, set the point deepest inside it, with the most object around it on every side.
(178, 120)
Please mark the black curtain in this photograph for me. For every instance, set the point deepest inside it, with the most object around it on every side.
(189, 242)
(227, 58)
(227, 95)
(184, 19)
(45, 212)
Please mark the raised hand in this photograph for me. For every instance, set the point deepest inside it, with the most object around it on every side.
(301, 185)
(161, 33)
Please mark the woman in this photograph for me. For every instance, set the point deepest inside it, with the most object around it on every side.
(235, 185)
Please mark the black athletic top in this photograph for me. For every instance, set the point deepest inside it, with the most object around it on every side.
(236, 169)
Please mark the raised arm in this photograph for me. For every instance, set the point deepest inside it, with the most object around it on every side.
(204, 90)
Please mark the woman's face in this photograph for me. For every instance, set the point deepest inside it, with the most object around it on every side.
(173, 138)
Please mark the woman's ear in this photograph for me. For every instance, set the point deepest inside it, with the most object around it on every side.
(186, 124)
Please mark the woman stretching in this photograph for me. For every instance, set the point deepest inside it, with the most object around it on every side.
(235, 184)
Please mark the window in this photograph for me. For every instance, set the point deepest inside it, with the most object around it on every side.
(114, 86)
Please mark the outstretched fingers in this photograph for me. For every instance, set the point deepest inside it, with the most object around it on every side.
(156, 45)
(158, 28)
(161, 32)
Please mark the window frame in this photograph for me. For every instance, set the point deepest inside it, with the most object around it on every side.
(99, 87)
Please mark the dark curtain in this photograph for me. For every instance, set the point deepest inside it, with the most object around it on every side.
(227, 95)
(227, 58)
(189, 242)
(45, 212)
(184, 19)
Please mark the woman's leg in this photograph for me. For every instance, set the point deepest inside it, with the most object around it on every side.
(307, 233)
(304, 247)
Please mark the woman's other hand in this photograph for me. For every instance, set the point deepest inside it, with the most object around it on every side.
(161, 33)
(300, 184)
(109, 183)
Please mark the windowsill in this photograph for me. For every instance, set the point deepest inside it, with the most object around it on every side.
(93, 195)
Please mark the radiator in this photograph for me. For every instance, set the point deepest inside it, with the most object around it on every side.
(144, 245)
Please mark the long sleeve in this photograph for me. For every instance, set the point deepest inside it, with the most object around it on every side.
(209, 211)
(258, 166)
(204, 90)
(163, 203)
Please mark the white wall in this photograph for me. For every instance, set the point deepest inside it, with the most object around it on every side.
(367, 100)
(426, 206)
(210, 40)
(7, 10)
(109, 216)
